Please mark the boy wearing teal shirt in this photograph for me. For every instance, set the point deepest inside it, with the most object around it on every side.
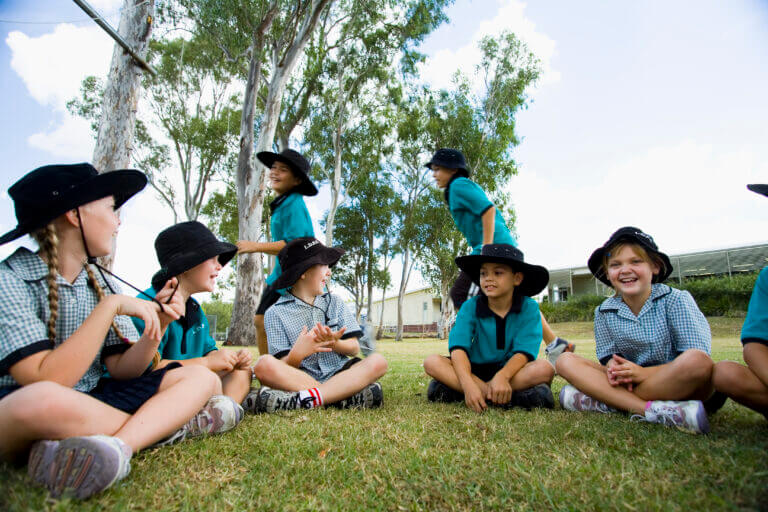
(495, 340)
(748, 385)
(481, 223)
(289, 177)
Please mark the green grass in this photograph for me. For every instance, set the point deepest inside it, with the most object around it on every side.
(414, 455)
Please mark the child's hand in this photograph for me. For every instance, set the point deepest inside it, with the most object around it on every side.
(221, 360)
(244, 359)
(173, 309)
(323, 333)
(626, 373)
(474, 398)
(308, 344)
(609, 372)
(499, 390)
(147, 311)
(244, 246)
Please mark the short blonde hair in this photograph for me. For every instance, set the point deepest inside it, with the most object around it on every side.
(649, 256)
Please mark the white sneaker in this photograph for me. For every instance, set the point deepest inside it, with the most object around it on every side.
(688, 416)
(557, 347)
(84, 466)
(220, 414)
(572, 399)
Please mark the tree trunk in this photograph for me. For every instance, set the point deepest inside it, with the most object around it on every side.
(114, 142)
(401, 293)
(446, 311)
(336, 177)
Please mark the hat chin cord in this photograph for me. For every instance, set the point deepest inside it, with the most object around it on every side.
(91, 260)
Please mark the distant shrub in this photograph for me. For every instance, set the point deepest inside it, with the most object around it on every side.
(575, 309)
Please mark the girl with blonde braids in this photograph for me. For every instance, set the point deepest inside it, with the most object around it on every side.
(58, 328)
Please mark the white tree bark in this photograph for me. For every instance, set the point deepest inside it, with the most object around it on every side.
(114, 142)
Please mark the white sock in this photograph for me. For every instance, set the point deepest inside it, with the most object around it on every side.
(314, 393)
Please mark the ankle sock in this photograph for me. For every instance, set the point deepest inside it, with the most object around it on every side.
(314, 393)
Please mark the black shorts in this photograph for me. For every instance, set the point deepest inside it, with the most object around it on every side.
(485, 372)
(347, 365)
(268, 297)
(463, 288)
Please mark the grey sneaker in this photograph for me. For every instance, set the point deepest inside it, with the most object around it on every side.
(41, 460)
(84, 466)
(572, 399)
(220, 414)
(369, 397)
(536, 396)
(439, 392)
(557, 347)
(273, 400)
(688, 416)
(250, 400)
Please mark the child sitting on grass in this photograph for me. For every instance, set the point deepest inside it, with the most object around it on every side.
(653, 343)
(193, 255)
(312, 340)
(496, 337)
(748, 385)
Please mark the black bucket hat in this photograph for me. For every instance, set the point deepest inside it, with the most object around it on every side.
(536, 277)
(450, 159)
(759, 188)
(298, 164)
(632, 235)
(49, 191)
(184, 246)
(299, 255)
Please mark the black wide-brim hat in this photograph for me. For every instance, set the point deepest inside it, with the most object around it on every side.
(759, 188)
(635, 236)
(298, 164)
(299, 255)
(535, 277)
(49, 191)
(184, 246)
(450, 159)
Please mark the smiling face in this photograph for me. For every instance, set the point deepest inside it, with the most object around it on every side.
(313, 281)
(202, 277)
(630, 271)
(282, 178)
(497, 279)
(100, 222)
(442, 175)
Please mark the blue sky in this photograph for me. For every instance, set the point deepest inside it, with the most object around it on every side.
(647, 113)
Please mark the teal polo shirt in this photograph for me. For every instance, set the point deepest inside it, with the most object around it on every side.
(755, 328)
(467, 203)
(488, 338)
(186, 338)
(290, 219)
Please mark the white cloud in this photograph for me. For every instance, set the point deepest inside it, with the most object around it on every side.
(440, 67)
(688, 196)
(71, 139)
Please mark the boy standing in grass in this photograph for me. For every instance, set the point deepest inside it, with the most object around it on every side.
(481, 223)
(289, 177)
(748, 384)
(496, 337)
(312, 341)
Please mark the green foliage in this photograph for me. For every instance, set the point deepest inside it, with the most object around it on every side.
(223, 312)
(575, 309)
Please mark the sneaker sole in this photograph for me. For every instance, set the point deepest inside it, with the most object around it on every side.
(82, 467)
(41, 461)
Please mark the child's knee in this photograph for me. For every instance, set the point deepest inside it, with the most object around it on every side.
(727, 377)
(431, 363)
(201, 378)
(42, 403)
(378, 365)
(265, 367)
(543, 372)
(696, 364)
(565, 363)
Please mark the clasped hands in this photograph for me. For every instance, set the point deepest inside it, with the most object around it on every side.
(622, 372)
(320, 338)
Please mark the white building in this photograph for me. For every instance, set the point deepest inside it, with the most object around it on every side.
(421, 311)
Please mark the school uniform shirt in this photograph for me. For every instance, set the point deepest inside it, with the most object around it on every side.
(285, 319)
(185, 338)
(24, 316)
(488, 338)
(755, 328)
(290, 219)
(467, 203)
(668, 324)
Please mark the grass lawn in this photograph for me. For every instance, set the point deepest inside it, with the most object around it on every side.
(414, 455)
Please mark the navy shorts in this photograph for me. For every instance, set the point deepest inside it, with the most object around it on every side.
(484, 372)
(268, 297)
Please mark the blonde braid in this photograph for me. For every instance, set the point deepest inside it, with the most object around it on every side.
(100, 292)
(48, 241)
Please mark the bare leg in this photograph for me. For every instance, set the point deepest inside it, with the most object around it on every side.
(441, 368)
(687, 377)
(547, 332)
(236, 384)
(261, 334)
(532, 374)
(279, 375)
(740, 383)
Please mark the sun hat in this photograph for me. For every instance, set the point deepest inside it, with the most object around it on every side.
(632, 235)
(535, 277)
(49, 191)
(450, 159)
(184, 246)
(759, 188)
(298, 164)
(299, 255)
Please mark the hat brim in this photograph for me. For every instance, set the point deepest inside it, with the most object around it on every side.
(535, 277)
(192, 258)
(447, 165)
(122, 184)
(328, 256)
(595, 262)
(305, 188)
(759, 188)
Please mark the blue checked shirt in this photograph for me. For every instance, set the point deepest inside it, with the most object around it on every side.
(669, 323)
(284, 320)
(24, 316)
